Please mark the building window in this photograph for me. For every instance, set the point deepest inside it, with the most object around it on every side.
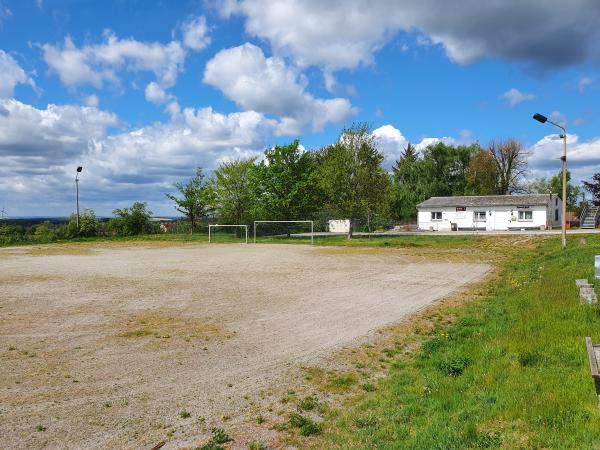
(556, 215)
(525, 216)
(479, 216)
(436, 215)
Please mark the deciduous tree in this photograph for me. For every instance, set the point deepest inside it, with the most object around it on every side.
(232, 191)
(593, 187)
(351, 175)
(285, 184)
(193, 201)
(482, 174)
(511, 165)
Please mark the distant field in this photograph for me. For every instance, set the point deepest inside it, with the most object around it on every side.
(111, 344)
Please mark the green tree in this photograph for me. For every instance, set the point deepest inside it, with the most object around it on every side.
(351, 175)
(231, 191)
(482, 174)
(573, 192)
(193, 201)
(593, 187)
(132, 221)
(444, 169)
(285, 184)
(539, 186)
(554, 186)
(406, 178)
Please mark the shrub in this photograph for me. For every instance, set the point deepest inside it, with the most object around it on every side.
(454, 366)
(44, 232)
(219, 436)
(10, 234)
(88, 224)
(132, 221)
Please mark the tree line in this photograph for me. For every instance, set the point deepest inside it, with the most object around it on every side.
(343, 180)
(347, 180)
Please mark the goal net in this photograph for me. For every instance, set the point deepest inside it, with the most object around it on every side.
(265, 230)
(227, 233)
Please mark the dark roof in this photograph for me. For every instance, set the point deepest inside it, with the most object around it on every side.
(488, 200)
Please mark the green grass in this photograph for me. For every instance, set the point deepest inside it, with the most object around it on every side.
(510, 371)
(417, 241)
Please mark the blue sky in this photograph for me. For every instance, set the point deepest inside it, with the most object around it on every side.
(142, 92)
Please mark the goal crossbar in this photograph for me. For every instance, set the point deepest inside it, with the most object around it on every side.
(215, 225)
(312, 227)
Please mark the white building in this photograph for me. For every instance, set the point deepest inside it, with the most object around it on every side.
(490, 212)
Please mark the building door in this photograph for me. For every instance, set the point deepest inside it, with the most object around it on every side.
(501, 220)
(479, 219)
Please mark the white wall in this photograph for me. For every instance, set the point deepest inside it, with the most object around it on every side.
(498, 218)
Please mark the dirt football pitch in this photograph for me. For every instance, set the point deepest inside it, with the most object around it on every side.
(108, 345)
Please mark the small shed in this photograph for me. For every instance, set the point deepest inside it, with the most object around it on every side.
(339, 226)
(490, 212)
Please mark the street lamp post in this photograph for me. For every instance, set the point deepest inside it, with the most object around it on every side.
(544, 119)
(79, 169)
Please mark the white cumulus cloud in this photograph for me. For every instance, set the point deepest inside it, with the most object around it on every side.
(268, 85)
(11, 74)
(40, 149)
(583, 157)
(392, 143)
(96, 64)
(514, 97)
(195, 33)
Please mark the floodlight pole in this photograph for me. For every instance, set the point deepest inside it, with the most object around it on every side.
(542, 119)
(79, 169)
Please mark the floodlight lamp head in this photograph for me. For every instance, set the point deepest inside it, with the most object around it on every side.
(79, 168)
(540, 118)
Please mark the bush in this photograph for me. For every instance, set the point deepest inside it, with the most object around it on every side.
(132, 221)
(11, 234)
(88, 224)
(44, 232)
(454, 366)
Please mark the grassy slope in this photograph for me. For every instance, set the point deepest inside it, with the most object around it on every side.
(525, 379)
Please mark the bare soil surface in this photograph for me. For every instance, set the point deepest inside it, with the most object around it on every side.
(103, 346)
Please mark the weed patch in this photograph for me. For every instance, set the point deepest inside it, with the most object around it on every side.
(307, 426)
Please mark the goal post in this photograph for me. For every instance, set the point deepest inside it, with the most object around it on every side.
(216, 225)
(312, 226)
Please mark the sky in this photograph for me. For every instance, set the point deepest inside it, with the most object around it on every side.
(142, 92)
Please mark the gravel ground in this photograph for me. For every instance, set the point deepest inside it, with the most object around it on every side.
(103, 346)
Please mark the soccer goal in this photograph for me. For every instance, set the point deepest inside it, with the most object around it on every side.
(216, 225)
(285, 228)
